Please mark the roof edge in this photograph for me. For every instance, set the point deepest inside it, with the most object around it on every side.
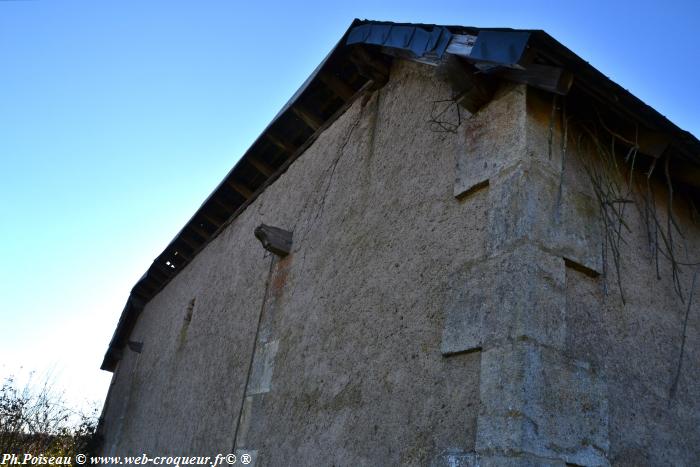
(354, 66)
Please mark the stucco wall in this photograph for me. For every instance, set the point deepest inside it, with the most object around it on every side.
(626, 333)
(356, 309)
(635, 346)
(432, 312)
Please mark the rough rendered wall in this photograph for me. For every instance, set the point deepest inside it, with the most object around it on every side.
(433, 310)
(348, 368)
(580, 377)
(569, 374)
(636, 345)
(633, 348)
(182, 394)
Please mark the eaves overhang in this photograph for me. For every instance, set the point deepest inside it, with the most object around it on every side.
(360, 62)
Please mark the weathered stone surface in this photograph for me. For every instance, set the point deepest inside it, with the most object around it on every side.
(263, 366)
(516, 294)
(492, 139)
(455, 458)
(535, 401)
(576, 231)
(518, 126)
(507, 146)
(543, 131)
(530, 205)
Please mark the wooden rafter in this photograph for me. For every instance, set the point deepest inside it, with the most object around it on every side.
(261, 166)
(198, 230)
(339, 87)
(210, 218)
(189, 242)
(240, 188)
(279, 142)
(312, 121)
(226, 207)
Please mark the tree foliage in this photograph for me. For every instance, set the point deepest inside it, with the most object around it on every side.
(34, 419)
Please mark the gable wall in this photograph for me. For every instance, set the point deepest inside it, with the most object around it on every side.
(352, 319)
(426, 313)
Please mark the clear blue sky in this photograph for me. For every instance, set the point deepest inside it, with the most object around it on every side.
(118, 118)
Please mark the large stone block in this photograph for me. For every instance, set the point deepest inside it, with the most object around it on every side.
(536, 401)
(522, 206)
(492, 139)
(517, 294)
(576, 232)
(518, 125)
(529, 203)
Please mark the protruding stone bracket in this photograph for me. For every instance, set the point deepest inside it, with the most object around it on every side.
(275, 240)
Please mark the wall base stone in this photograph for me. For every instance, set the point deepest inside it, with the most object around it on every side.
(536, 401)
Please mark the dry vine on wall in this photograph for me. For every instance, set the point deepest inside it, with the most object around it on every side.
(612, 165)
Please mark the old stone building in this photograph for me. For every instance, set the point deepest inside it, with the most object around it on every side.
(453, 246)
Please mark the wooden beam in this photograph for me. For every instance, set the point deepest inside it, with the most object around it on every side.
(370, 67)
(157, 284)
(260, 166)
(242, 189)
(140, 293)
(685, 173)
(181, 253)
(158, 273)
(221, 204)
(164, 269)
(280, 143)
(311, 120)
(339, 87)
(653, 143)
(149, 284)
(199, 230)
(190, 242)
(549, 78)
(472, 90)
(213, 220)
